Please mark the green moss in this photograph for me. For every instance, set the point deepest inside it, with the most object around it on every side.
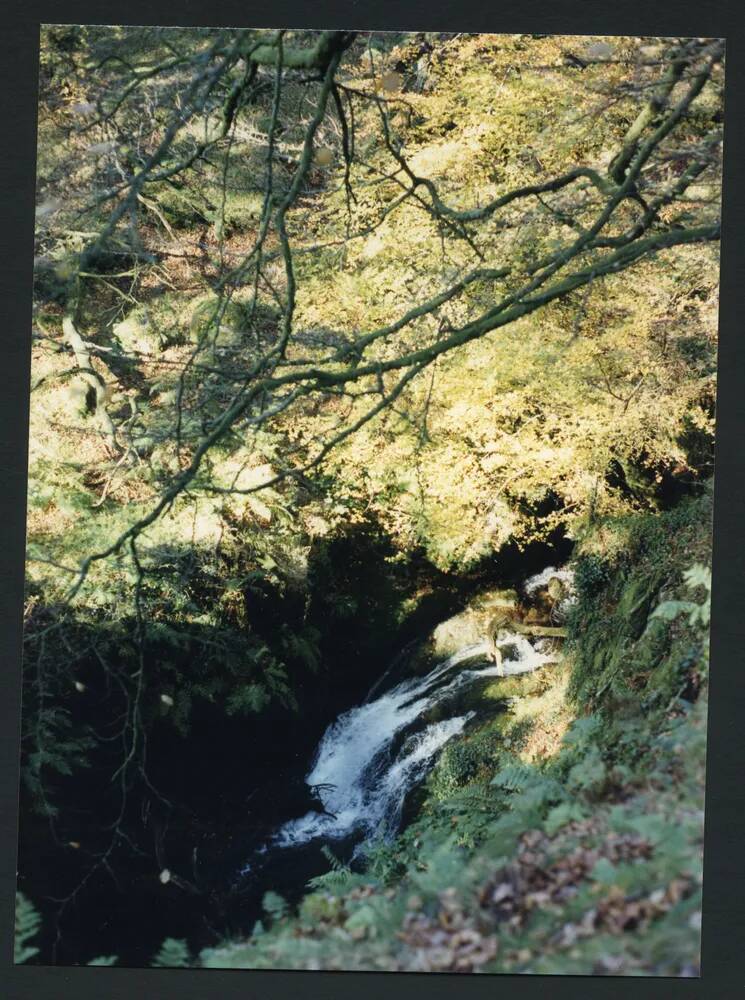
(222, 322)
(183, 206)
(150, 328)
(617, 649)
(518, 686)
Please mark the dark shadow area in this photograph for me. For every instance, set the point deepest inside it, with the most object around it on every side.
(216, 785)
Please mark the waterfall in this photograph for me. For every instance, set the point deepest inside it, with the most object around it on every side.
(374, 754)
(534, 583)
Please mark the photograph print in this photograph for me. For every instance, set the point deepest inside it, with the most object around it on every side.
(370, 485)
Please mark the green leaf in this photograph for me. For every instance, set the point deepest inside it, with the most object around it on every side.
(589, 773)
(669, 610)
(698, 576)
(27, 925)
(559, 816)
(604, 871)
(514, 777)
(173, 953)
(653, 828)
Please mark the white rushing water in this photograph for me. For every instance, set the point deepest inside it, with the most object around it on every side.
(564, 574)
(373, 754)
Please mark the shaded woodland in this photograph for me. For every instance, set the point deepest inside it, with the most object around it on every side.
(334, 334)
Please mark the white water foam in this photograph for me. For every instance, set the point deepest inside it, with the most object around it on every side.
(361, 779)
(541, 579)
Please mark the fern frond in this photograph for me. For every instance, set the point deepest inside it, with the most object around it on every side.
(337, 878)
(27, 925)
(514, 777)
(173, 953)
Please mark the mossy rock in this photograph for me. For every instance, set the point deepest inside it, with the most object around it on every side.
(136, 334)
(147, 330)
(79, 398)
(221, 324)
(493, 599)
(470, 626)
(515, 686)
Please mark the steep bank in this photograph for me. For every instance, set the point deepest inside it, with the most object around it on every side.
(567, 836)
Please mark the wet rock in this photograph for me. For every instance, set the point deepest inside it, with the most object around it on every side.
(470, 626)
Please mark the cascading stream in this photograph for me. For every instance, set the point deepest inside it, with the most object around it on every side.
(363, 772)
(374, 754)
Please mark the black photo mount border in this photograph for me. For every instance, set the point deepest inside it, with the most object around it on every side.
(723, 968)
